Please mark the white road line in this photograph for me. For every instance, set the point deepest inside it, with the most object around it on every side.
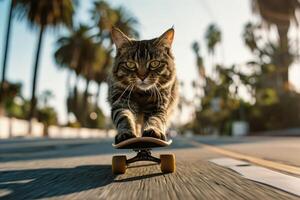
(263, 175)
(258, 161)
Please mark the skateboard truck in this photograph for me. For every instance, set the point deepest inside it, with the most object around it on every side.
(143, 155)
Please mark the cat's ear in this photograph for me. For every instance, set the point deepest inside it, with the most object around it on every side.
(119, 38)
(167, 37)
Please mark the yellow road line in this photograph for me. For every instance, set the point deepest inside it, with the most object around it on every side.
(259, 161)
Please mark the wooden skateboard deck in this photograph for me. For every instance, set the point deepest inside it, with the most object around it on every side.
(142, 143)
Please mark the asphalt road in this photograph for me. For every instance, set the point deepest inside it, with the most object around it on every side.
(81, 169)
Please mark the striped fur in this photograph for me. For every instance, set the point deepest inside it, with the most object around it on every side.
(142, 98)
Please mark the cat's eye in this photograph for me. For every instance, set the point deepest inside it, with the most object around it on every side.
(130, 65)
(154, 64)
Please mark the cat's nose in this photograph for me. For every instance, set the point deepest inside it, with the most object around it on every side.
(142, 76)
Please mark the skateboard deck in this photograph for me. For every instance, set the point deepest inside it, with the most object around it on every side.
(142, 143)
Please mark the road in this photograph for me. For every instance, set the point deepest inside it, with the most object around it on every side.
(81, 169)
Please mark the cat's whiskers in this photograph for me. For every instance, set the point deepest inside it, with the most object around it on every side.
(123, 92)
(151, 92)
(123, 85)
(117, 83)
(128, 99)
(156, 96)
(160, 99)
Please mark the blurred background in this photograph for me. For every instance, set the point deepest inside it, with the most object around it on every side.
(237, 62)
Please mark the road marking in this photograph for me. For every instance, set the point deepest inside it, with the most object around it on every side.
(263, 175)
(259, 161)
(4, 192)
(16, 182)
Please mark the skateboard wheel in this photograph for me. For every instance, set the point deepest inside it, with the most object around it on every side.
(167, 163)
(118, 164)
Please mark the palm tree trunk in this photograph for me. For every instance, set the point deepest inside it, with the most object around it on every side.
(97, 95)
(6, 49)
(35, 74)
(285, 57)
(75, 94)
(68, 88)
(284, 47)
(86, 92)
(84, 104)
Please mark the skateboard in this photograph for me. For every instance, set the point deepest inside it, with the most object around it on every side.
(143, 146)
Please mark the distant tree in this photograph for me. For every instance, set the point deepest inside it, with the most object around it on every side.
(93, 118)
(126, 23)
(46, 96)
(265, 62)
(280, 105)
(48, 116)
(199, 59)
(213, 37)
(79, 53)
(106, 17)
(100, 75)
(220, 104)
(95, 67)
(72, 52)
(280, 13)
(70, 55)
(10, 92)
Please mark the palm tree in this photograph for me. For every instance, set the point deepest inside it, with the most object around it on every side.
(70, 53)
(74, 53)
(3, 78)
(42, 14)
(126, 23)
(199, 60)
(46, 96)
(95, 69)
(213, 37)
(102, 72)
(78, 52)
(106, 17)
(279, 13)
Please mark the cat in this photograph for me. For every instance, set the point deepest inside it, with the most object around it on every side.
(143, 88)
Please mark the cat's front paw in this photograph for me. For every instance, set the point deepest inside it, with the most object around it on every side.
(156, 134)
(120, 137)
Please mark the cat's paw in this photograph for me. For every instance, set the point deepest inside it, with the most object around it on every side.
(120, 137)
(155, 134)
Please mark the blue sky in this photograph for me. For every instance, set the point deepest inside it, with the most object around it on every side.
(190, 19)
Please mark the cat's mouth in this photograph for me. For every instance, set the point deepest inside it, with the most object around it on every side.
(143, 85)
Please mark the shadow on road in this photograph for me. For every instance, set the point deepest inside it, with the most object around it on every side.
(20, 150)
(136, 178)
(144, 165)
(53, 182)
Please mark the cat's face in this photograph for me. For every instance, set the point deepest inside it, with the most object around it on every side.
(145, 64)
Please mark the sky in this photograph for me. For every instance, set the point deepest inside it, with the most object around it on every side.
(189, 17)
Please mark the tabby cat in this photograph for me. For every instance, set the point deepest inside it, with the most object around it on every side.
(142, 86)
